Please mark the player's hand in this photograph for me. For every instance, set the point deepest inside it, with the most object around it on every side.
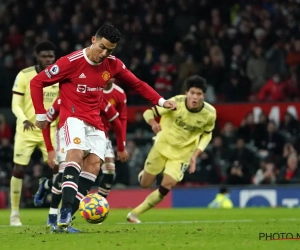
(51, 159)
(122, 156)
(55, 170)
(41, 124)
(28, 125)
(156, 128)
(192, 167)
(170, 105)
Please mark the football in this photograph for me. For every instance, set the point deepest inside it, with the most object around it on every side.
(94, 208)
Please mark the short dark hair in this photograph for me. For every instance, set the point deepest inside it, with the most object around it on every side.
(196, 82)
(43, 46)
(223, 190)
(109, 32)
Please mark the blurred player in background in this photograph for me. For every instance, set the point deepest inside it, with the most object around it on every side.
(28, 137)
(117, 98)
(109, 113)
(181, 137)
(82, 76)
(222, 199)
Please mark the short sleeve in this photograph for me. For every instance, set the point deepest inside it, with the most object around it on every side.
(210, 125)
(57, 72)
(20, 84)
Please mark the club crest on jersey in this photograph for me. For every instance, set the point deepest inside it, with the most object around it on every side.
(77, 140)
(112, 101)
(63, 150)
(54, 70)
(105, 75)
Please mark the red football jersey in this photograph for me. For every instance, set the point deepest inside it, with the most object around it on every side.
(108, 112)
(117, 98)
(53, 111)
(81, 84)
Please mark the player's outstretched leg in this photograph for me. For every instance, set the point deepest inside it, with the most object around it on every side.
(106, 181)
(85, 183)
(16, 183)
(44, 185)
(152, 199)
(69, 189)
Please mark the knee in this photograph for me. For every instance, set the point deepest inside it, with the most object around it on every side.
(108, 168)
(168, 183)
(92, 168)
(92, 164)
(18, 171)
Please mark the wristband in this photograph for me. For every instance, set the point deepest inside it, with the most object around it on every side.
(41, 117)
(161, 102)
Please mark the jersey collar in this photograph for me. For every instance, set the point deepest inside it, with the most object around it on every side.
(109, 90)
(88, 60)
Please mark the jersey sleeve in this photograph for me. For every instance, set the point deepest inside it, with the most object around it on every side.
(20, 84)
(47, 138)
(122, 110)
(108, 110)
(53, 111)
(210, 125)
(53, 74)
(126, 76)
(160, 111)
(207, 135)
(111, 115)
(117, 127)
(18, 91)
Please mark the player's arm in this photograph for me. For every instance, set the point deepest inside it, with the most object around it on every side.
(51, 75)
(122, 154)
(50, 149)
(52, 115)
(117, 127)
(126, 76)
(111, 115)
(150, 115)
(122, 110)
(206, 136)
(53, 111)
(203, 143)
(18, 91)
(47, 137)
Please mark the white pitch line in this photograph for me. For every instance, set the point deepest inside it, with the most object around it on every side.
(208, 221)
(190, 222)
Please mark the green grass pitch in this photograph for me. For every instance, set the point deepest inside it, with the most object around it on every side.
(162, 229)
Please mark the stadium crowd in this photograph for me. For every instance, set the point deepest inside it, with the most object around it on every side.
(246, 51)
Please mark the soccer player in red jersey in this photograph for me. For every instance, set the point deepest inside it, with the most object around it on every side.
(82, 76)
(109, 113)
(117, 98)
